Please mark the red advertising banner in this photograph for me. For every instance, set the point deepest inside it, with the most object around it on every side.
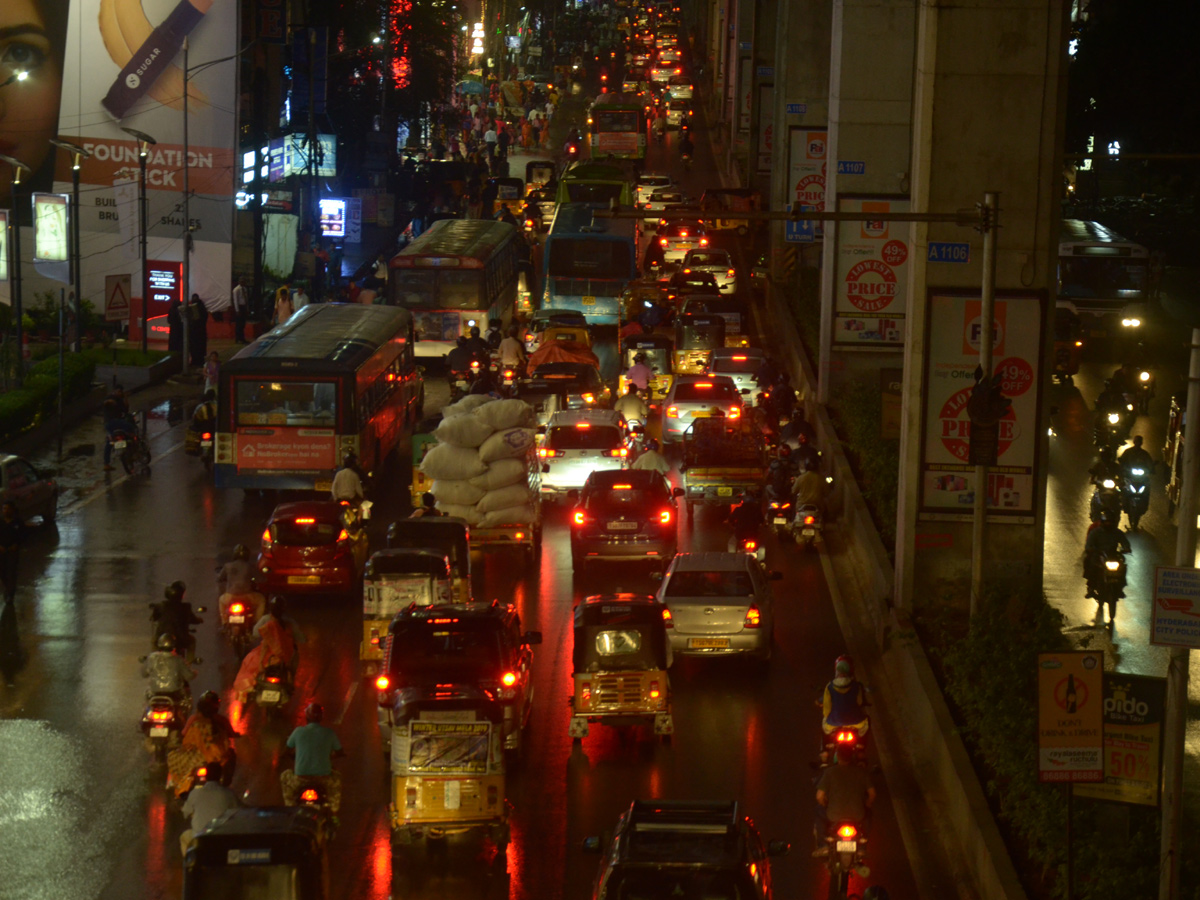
(286, 449)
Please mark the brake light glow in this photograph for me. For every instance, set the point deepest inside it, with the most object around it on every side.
(667, 621)
(619, 452)
(703, 242)
(750, 544)
(655, 693)
(207, 436)
(546, 453)
(846, 736)
(306, 521)
(622, 487)
(735, 412)
(202, 772)
(508, 679)
(273, 679)
(683, 232)
(847, 831)
(664, 517)
(309, 796)
(161, 715)
(809, 520)
(583, 425)
(382, 683)
(579, 518)
(587, 398)
(672, 412)
(662, 242)
(344, 535)
(703, 384)
(585, 693)
(737, 358)
(730, 274)
(236, 609)
(753, 618)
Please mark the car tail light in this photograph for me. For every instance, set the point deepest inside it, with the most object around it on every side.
(236, 609)
(161, 715)
(579, 518)
(382, 683)
(662, 242)
(753, 618)
(410, 798)
(809, 520)
(655, 693)
(266, 539)
(730, 274)
(668, 622)
(845, 736)
(679, 71)
(735, 412)
(309, 796)
(622, 487)
(619, 452)
(508, 679)
(749, 544)
(847, 831)
(207, 436)
(703, 242)
(529, 335)
(547, 453)
(520, 535)
(672, 412)
(664, 517)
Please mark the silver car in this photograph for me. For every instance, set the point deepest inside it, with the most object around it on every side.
(694, 397)
(719, 604)
(649, 182)
(717, 263)
(579, 442)
(739, 363)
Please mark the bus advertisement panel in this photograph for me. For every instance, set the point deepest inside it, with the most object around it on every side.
(588, 262)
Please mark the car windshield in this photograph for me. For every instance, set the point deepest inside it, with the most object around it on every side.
(430, 646)
(699, 392)
(305, 531)
(710, 584)
(596, 437)
(705, 258)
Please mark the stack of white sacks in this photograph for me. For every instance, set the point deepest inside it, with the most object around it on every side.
(480, 465)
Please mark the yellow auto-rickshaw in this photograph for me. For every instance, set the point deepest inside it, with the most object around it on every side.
(447, 535)
(393, 581)
(657, 350)
(570, 333)
(696, 336)
(640, 295)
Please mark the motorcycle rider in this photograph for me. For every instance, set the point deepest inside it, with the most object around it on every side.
(168, 672)
(574, 144)
(512, 351)
(117, 418)
(428, 507)
(478, 347)
(204, 416)
(236, 580)
(1136, 457)
(686, 148)
(315, 746)
(780, 472)
(746, 518)
(1106, 467)
(506, 215)
(844, 702)
(631, 405)
(494, 334)
(844, 794)
(1103, 537)
(639, 374)
(207, 802)
(174, 616)
(458, 360)
(652, 459)
(808, 488)
(795, 428)
(207, 738)
(347, 483)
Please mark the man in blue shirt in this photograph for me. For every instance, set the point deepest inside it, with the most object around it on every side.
(314, 746)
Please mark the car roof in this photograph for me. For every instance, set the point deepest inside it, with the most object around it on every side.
(322, 509)
(566, 417)
(638, 479)
(473, 612)
(650, 178)
(666, 194)
(731, 352)
(711, 562)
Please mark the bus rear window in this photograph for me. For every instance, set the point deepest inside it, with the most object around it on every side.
(616, 120)
(441, 289)
(301, 403)
(583, 258)
(1101, 277)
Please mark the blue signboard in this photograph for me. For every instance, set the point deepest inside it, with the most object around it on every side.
(795, 109)
(799, 231)
(851, 167)
(744, 45)
(948, 252)
(765, 72)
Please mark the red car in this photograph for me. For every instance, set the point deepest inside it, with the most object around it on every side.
(308, 548)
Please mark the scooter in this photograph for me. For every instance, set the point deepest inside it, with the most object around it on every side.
(1145, 391)
(1111, 587)
(748, 544)
(273, 689)
(239, 625)
(843, 854)
(779, 515)
(1137, 495)
(1108, 495)
(163, 720)
(807, 526)
(314, 794)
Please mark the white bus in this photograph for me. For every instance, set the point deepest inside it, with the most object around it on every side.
(1101, 274)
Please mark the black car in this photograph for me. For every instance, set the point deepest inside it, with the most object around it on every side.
(625, 514)
(687, 281)
(579, 381)
(685, 849)
(475, 644)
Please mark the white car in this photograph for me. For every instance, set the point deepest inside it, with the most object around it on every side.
(579, 442)
(678, 112)
(718, 263)
(649, 182)
(679, 87)
(678, 236)
(661, 200)
(742, 364)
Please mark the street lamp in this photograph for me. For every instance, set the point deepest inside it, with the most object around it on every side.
(78, 155)
(15, 224)
(145, 142)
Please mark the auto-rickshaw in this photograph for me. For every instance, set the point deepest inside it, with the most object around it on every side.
(1068, 344)
(394, 580)
(421, 483)
(540, 174)
(570, 333)
(1173, 449)
(447, 535)
(620, 659)
(276, 851)
(696, 336)
(641, 294)
(657, 349)
(728, 308)
(448, 766)
(510, 192)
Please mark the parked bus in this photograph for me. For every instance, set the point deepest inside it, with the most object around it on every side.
(595, 183)
(459, 274)
(588, 262)
(1100, 274)
(333, 379)
(617, 127)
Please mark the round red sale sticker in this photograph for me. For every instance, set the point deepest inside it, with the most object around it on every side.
(955, 426)
(894, 253)
(1016, 376)
(870, 285)
(810, 191)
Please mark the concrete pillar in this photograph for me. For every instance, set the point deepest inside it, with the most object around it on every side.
(870, 103)
(762, 97)
(987, 102)
(741, 79)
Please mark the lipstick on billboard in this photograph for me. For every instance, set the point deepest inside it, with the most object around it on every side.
(153, 57)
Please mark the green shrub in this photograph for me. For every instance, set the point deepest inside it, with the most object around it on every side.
(20, 410)
(78, 370)
(857, 414)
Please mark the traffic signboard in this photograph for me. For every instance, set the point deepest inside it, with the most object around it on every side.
(799, 231)
(116, 297)
(795, 109)
(1134, 707)
(1176, 607)
(1070, 716)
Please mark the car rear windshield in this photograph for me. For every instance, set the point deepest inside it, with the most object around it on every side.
(681, 229)
(305, 531)
(623, 500)
(716, 392)
(708, 259)
(710, 584)
(654, 180)
(435, 645)
(745, 364)
(597, 437)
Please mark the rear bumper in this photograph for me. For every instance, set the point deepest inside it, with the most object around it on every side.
(331, 578)
(738, 644)
(646, 549)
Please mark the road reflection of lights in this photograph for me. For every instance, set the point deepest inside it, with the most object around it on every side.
(25, 806)
(518, 844)
(381, 861)
(160, 858)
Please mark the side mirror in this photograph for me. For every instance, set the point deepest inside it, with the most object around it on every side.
(532, 637)
(776, 575)
(591, 844)
(778, 848)
(677, 492)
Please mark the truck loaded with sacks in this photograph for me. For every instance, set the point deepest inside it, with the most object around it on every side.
(485, 470)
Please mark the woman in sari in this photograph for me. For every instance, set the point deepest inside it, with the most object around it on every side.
(280, 637)
(207, 737)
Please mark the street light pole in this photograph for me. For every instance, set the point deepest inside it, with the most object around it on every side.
(144, 144)
(18, 310)
(78, 155)
(187, 216)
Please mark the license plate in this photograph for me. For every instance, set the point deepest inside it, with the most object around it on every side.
(206, 443)
(452, 796)
(589, 301)
(118, 445)
(708, 643)
(622, 526)
(236, 620)
(268, 696)
(322, 486)
(724, 492)
(808, 532)
(847, 846)
(158, 731)
(304, 579)
(780, 520)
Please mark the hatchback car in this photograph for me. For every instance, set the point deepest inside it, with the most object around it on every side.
(33, 493)
(577, 443)
(742, 364)
(671, 848)
(668, 56)
(580, 382)
(543, 319)
(717, 263)
(695, 397)
(624, 515)
(649, 182)
(476, 644)
(676, 236)
(662, 72)
(679, 112)
(662, 199)
(679, 87)
(719, 604)
(310, 548)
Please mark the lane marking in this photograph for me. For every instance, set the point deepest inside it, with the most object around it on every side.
(91, 498)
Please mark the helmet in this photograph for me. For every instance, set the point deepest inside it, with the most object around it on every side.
(428, 500)
(166, 642)
(350, 459)
(639, 357)
(209, 703)
(314, 712)
(175, 591)
(844, 665)
(1107, 517)
(474, 331)
(651, 444)
(876, 892)
(241, 551)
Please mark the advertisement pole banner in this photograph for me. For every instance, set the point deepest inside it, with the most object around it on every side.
(1134, 712)
(104, 88)
(806, 170)
(947, 477)
(1176, 607)
(4, 246)
(1070, 716)
(872, 275)
(766, 127)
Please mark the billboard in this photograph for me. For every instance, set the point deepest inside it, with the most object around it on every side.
(126, 70)
(947, 476)
(51, 241)
(870, 285)
(1176, 607)
(1070, 716)
(1134, 713)
(806, 170)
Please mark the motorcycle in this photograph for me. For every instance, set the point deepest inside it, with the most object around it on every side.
(206, 450)
(687, 162)
(273, 689)
(1108, 495)
(1145, 391)
(807, 526)
(1108, 427)
(1111, 585)
(779, 515)
(507, 381)
(132, 450)
(844, 855)
(163, 720)
(314, 794)
(1137, 495)
(460, 381)
(747, 543)
(239, 625)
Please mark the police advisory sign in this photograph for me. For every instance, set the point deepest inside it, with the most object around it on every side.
(872, 266)
(1070, 716)
(947, 476)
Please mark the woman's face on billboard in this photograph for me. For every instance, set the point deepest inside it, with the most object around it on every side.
(28, 107)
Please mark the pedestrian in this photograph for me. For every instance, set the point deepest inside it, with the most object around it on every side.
(489, 139)
(283, 304)
(175, 326)
(204, 804)
(503, 139)
(211, 365)
(197, 314)
(241, 310)
(301, 299)
(12, 536)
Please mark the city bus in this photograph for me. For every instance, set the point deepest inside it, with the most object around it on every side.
(459, 274)
(617, 127)
(595, 183)
(587, 263)
(1101, 276)
(335, 378)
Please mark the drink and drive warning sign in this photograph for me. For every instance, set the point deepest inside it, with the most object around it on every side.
(1070, 716)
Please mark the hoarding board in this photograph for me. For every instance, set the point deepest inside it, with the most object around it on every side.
(1070, 716)
(870, 285)
(1134, 712)
(806, 170)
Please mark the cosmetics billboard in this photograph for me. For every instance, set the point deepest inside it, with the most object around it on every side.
(123, 67)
